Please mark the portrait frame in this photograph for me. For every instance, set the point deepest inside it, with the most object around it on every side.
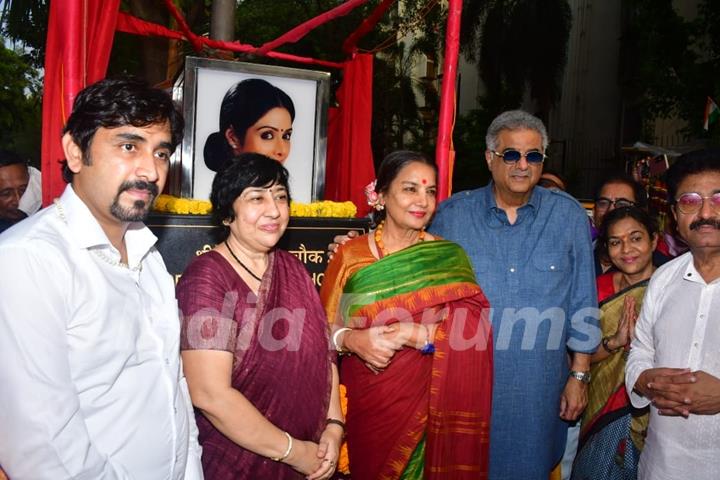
(201, 89)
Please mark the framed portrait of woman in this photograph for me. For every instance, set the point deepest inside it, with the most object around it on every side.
(235, 107)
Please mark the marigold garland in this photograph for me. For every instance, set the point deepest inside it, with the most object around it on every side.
(182, 206)
(343, 465)
(325, 208)
(189, 206)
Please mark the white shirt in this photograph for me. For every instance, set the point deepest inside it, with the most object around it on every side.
(91, 384)
(31, 201)
(678, 327)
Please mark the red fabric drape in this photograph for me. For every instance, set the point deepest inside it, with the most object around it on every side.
(79, 40)
(303, 29)
(350, 44)
(444, 151)
(349, 165)
(129, 24)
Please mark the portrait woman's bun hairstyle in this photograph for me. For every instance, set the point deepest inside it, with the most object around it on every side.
(243, 105)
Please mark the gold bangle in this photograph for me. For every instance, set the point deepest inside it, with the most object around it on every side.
(287, 452)
(335, 339)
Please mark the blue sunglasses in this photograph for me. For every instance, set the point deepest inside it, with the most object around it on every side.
(513, 156)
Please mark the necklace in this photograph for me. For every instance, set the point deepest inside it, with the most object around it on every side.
(98, 253)
(379, 242)
(242, 264)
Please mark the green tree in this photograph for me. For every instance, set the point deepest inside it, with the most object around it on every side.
(519, 46)
(25, 21)
(671, 64)
(20, 103)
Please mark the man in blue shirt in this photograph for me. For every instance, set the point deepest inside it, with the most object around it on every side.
(532, 255)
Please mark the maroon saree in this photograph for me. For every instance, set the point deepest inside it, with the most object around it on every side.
(281, 354)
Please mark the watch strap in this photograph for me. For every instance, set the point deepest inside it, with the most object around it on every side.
(583, 377)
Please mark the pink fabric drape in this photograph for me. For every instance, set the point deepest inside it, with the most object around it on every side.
(349, 165)
(79, 40)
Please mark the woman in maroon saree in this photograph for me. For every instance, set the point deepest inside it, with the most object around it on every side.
(255, 340)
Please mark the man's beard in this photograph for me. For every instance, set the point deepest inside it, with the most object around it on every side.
(140, 209)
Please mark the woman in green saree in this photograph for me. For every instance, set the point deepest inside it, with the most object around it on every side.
(612, 431)
(406, 309)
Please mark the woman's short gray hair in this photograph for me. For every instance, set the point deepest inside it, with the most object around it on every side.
(514, 120)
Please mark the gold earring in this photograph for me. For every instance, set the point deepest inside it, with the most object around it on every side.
(226, 222)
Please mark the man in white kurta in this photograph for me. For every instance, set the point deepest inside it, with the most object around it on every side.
(674, 361)
(91, 384)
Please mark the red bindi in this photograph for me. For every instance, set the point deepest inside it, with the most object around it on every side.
(424, 181)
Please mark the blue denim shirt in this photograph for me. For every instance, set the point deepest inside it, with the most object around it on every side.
(538, 275)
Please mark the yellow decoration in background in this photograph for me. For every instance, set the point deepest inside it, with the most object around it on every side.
(189, 206)
(325, 208)
(182, 206)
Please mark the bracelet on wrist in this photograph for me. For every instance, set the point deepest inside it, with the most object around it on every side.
(335, 421)
(429, 347)
(336, 336)
(606, 346)
(287, 451)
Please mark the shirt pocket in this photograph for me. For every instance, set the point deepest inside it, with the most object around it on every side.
(550, 262)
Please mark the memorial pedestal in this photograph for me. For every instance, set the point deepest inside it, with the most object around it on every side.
(183, 237)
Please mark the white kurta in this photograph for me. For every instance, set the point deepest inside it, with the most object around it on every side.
(678, 327)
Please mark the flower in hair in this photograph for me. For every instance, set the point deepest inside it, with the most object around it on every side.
(373, 198)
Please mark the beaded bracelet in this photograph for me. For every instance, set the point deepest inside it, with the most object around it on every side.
(287, 452)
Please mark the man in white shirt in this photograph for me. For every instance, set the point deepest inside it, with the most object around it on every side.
(674, 362)
(91, 384)
(31, 201)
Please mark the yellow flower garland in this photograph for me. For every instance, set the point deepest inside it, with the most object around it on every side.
(182, 206)
(325, 208)
(343, 465)
(189, 206)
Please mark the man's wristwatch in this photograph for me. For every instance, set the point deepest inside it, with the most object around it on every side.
(584, 377)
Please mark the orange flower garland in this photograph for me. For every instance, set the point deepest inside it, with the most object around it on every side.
(343, 459)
